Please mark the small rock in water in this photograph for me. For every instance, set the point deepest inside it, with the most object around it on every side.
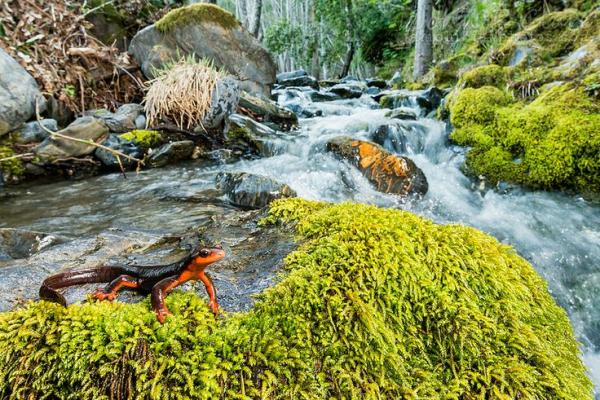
(171, 153)
(250, 190)
(115, 142)
(269, 111)
(388, 172)
(404, 113)
(318, 96)
(377, 83)
(17, 243)
(32, 132)
(307, 81)
(284, 76)
(348, 91)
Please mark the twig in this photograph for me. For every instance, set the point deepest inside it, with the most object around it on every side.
(97, 8)
(90, 142)
(24, 155)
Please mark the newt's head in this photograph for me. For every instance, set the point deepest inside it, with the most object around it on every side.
(208, 255)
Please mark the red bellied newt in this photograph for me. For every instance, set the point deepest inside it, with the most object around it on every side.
(158, 280)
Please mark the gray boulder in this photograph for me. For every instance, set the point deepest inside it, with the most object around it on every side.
(18, 93)
(121, 121)
(84, 128)
(115, 142)
(250, 190)
(32, 132)
(224, 102)
(171, 153)
(229, 46)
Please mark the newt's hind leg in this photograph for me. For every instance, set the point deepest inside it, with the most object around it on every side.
(111, 290)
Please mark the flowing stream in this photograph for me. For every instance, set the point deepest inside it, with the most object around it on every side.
(558, 233)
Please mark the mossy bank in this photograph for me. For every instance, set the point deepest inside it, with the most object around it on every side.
(532, 115)
(374, 303)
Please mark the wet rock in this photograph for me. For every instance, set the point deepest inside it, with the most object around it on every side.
(221, 156)
(17, 243)
(521, 55)
(326, 83)
(348, 90)
(85, 128)
(268, 111)
(430, 99)
(18, 94)
(349, 79)
(250, 190)
(284, 76)
(378, 83)
(318, 96)
(307, 81)
(121, 121)
(393, 99)
(389, 173)
(401, 137)
(251, 135)
(115, 142)
(372, 91)
(171, 153)
(403, 113)
(32, 132)
(231, 48)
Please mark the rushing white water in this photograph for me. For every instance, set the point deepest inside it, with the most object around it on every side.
(559, 234)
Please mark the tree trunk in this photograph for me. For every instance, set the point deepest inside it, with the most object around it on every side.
(255, 27)
(423, 39)
(351, 48)
(242, 12)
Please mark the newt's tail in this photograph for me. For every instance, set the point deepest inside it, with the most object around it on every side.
(49, 289)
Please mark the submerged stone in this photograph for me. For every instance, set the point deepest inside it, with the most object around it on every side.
(251, 190)
(171, 153)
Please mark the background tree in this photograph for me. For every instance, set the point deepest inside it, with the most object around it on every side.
(423, 39)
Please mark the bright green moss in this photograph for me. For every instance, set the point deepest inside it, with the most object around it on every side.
(143, 138)
(13, 167)
(375, 304)
(476, 106)
(551, 143)
(487, 75)
(196, 13)
(590, 28)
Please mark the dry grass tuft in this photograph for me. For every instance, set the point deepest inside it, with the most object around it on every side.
(181, 93)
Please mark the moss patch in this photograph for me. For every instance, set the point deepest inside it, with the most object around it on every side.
(10, 168)
(196, 13)
(143, 138)
(487, 75)
(375, 304)
(551, 143)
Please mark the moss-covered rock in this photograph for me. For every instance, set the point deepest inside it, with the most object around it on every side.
(375, 304)
(551, 143)
(197, 13)
(590, 28)
(487, 75)
(13, 167)
(143, 138)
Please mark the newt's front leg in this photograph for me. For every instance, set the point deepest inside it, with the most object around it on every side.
(160, 291)
(112, 289)
(210, 289)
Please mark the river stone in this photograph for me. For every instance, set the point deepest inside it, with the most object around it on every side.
(171, 153)
(85, 128)
(348, 90)
(264, 110)
(233, 49)
(252, 135)
(18, 243)
(224, 101)
(250, 190)
(122, 120)
(430, 99)
(115, 142)
(389, 173)
(284, 76)
(18, 93)
(375, 82)
(300, 81)
(32, 132)
(404, 113)
(318, 96)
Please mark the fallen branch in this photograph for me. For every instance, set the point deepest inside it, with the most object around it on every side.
(24, 155)
(90, 142)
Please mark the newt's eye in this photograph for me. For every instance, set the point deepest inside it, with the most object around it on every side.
(204, 253)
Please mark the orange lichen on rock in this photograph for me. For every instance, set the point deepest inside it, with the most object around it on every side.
(389, 173)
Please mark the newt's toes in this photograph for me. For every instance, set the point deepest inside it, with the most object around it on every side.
(214, 306)
(100, 294)
(162, 315)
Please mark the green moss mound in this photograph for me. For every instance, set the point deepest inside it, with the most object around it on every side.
(143, 138)
(487, 75)
(550, 143)
(12, 167)
(196, 13)
(374, 304)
